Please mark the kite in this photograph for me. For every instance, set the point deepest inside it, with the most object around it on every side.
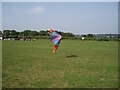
(56, 38)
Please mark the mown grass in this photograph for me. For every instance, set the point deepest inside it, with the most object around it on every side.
(0, 64)
(75, 64)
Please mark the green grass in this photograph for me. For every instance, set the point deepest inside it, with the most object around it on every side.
(74, 65)
(0, 64)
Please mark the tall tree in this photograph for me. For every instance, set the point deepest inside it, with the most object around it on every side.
(13, 33)
(43, 33)
(35, 33)
(0, 32)
(90, 35)
(27, 32)
(6, 33)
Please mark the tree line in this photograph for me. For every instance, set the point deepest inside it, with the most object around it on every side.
(32, 34)
(45, 34)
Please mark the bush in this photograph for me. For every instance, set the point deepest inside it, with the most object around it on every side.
(103, 39)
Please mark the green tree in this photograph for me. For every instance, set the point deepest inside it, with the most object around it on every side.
(13, 33)
(0, 32)
(43, 33)
(90, 35)
(6, 33)
(35, 33)
(27, 32)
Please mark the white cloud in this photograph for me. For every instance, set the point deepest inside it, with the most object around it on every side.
(38, 10)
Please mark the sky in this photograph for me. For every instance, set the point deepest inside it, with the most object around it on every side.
(75, 17)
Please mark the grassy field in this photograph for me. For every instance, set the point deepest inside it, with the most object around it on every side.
(74, 65)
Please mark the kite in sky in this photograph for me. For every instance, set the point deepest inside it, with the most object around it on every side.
(56, 38)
